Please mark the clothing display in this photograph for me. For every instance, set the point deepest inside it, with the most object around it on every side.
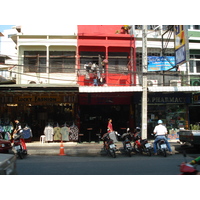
(65, 133)
(57, 134)
(73, 133)
(5, 131)
(27, 132)
(48, 132)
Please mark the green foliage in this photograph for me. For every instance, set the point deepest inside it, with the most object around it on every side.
(194, 127)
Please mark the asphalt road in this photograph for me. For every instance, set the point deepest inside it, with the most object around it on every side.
(104, 165)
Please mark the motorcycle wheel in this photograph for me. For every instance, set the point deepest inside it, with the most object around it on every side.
(129, 152)
(20, 154)
(149, 152)
(164, 153)
(112, 153)
(136, 148)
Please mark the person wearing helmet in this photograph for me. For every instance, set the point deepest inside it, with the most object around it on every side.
(160, 131)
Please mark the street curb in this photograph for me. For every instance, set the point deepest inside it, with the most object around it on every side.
(75, 149)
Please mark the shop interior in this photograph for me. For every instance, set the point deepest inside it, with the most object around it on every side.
(94, 119)
(38, 116)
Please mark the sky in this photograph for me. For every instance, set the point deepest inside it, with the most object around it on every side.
(5, 27)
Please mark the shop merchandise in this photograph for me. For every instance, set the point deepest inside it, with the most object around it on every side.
(27, 132)
(48, 132)
(73, 133)
(65, 133)
(57, 133)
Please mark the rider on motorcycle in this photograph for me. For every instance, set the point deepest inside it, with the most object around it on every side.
(160, 131)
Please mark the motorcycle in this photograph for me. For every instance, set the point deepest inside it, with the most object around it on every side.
(189, 168)
(19, 146)
(126, 138)
(141, 146)
(109, 145)
(161, 147)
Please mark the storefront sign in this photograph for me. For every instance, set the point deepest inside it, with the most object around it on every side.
(165, 98)
(181, 44)
(161, 63)
(196, 98)
(37, 99)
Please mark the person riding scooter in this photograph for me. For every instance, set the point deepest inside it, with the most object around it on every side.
(160, 131)
(17, 133)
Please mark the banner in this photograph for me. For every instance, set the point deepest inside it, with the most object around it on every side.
(162, 63)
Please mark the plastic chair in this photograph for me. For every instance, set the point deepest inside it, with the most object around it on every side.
(42, 138)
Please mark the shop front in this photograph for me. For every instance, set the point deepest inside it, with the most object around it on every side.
(37, 108)
(171, 108)
(96, 108)
(194, 110)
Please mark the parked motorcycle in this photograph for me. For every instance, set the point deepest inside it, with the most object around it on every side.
(19, 146)
(141, 146)
(126, 138)
(109, 145)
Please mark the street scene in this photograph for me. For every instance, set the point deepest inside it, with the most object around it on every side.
(99, 99)
(91, 159)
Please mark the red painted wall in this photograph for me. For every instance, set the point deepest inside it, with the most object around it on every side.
(103, 38)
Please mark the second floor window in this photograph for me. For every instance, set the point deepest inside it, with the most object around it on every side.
(59, 61)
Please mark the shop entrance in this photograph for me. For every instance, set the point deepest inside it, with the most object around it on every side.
(94, 119)
(54, 115)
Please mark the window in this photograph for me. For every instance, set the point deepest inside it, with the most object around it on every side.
(35, 61)
(62, 62)
(194, 63)
(118, 62)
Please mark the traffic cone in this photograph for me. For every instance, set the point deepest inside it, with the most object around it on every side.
(62, 153)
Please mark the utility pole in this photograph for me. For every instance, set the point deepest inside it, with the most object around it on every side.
(144, 82)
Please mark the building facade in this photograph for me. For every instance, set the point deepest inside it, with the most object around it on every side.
(94, 73)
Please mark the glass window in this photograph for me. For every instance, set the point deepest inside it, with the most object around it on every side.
(35, 61)
(198, 66)
(62, 61)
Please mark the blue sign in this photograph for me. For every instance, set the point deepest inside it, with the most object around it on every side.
(161, 63)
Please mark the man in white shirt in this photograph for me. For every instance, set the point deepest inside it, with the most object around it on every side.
(160, 131)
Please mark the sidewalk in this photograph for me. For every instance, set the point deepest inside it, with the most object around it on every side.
(78, 149)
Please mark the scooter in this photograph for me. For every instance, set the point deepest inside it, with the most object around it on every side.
(141, 146)
(189, 168)
(19, 146)
(109, 145)
(162, 148)
(126, 137)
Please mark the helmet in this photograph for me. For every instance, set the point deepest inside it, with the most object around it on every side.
(160, 121)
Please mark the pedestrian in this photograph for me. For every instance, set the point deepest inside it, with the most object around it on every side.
(110, 126)
(160, 131)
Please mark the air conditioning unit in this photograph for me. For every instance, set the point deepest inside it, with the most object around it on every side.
(31, 82)
(152, 83)
(195, 82)
(175, 82)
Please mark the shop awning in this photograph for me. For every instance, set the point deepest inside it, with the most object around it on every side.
(88, 89)
(174, 89)
(38, 88)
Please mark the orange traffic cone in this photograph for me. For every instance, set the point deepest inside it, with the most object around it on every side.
(62, 153)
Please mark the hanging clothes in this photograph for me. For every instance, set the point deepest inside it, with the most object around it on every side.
(65, 133)
(57, 134)
(48, 132)
(27, 132)
(74, 133)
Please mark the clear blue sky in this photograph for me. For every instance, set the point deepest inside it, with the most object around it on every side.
(4, 27)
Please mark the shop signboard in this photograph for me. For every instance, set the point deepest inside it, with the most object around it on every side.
(181, 44)
(161, 63)
(196, 98)
(160, 98)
